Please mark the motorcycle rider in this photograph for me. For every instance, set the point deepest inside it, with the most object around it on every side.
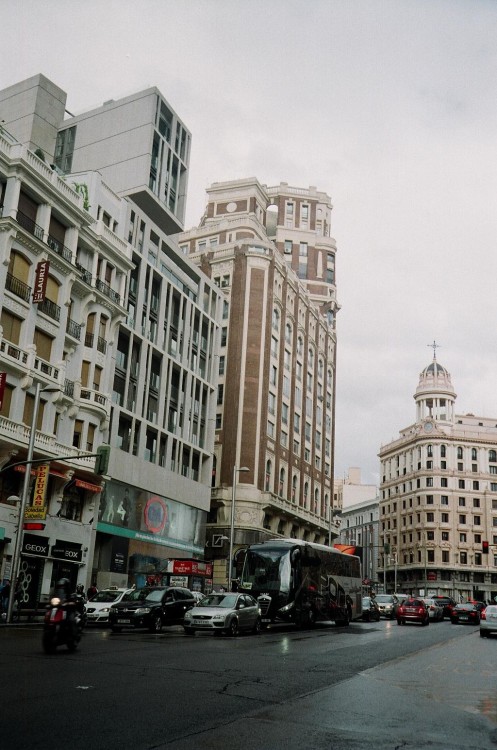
(69, 602)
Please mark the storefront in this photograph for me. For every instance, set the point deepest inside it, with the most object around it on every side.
(139, 532)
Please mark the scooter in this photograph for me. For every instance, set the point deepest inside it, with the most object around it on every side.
(62, 626)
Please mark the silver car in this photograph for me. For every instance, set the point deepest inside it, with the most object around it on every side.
(224, 613)
(387, 604)
(435, 609)
(488, 622)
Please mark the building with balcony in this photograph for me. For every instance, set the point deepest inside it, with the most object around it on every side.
(130, 331)
(270, 253)
(438, 497)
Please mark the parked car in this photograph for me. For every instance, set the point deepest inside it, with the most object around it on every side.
(478, 604)
(447, 602)
(488, 621)
(370, 610)
(226, 613)
(387, 604)
(465, 613)
(435, 609)
(413, 610)
(198, 595)
(98, 607)
(151, 607)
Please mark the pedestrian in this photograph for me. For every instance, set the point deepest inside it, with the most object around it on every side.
(92, 591)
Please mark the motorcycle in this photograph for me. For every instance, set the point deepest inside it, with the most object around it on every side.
(62, 626)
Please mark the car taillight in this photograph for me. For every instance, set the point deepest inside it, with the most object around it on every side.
(420, 610)
(483, 615)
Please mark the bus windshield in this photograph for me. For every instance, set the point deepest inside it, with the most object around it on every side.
(266, 570)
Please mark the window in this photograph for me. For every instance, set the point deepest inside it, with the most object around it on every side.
(492, 456)
(444, 500)
(461, 484)
(476, 502)
(476, 485)
(429, 481)
(477, 521)
(445, 556)
(288, 247)
(459, 453)
(303, 250)
(430, 517)
(445, 536)
(463, 558)
(462, 518)
(477, 558)
(444, 482)
(462, 502)
(445, 518)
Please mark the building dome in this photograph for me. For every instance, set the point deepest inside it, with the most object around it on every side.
(435, 394)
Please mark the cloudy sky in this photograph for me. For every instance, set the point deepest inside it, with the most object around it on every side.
(390, 106)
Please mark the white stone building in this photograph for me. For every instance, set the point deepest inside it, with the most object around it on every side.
(438, 497)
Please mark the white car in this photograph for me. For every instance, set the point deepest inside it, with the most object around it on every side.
(488, 621)
(98, 607)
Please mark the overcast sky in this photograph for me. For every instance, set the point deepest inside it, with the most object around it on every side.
(389, 106)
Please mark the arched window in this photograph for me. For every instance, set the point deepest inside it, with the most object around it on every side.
(443, 451)
(316, 501)
(269, 469)
(300, 345)
(19, 267)
(459, 453)
(310, 359)
(288, 333)
(474, 454)
(281, 484)
(294, 488)
(306, 494)
(492, 456)
(276, 320)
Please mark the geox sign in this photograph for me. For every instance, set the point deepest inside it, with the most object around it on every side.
(41, 279)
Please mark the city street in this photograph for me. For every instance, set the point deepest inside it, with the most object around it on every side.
(372, 685)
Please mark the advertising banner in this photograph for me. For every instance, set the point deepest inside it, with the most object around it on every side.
(37, 511)
(41, 280)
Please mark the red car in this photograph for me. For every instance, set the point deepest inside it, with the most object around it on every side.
(466, 613)
(413, 610)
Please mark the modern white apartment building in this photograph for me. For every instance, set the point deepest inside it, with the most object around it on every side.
(438, 506)
(128, 329)
(270, 252)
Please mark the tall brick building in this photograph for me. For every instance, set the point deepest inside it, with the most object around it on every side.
(270, 252)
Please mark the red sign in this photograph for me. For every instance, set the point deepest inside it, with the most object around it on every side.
(3, 380)
(156, 514)
(189, 567)
(431, 575)
(41, 279)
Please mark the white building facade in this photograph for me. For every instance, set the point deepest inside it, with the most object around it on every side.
(438, 497)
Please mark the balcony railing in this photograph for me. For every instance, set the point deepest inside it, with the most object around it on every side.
(11, 350)
(18, 287)
(50, 308)
(59, 248)
(89, 337)
(69, 388)
(85, 275)
(105, 289)
(29, 225)
(73, 329)
(101, 344)
(95, 396)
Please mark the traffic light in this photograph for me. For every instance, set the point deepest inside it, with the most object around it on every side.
(484, 548)
(102, 459)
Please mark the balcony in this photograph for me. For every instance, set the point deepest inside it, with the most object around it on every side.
(11, 350)
(73, 329)
(105, 289)
(59, 248)
(18, 287)
(85, 275)
(30, 225)
(49, 308)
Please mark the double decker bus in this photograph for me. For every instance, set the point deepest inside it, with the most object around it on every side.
(302, 582)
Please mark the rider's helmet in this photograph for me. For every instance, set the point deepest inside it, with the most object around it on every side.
(80, 589)
(63, 589)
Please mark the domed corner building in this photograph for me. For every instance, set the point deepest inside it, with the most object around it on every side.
(438, 498)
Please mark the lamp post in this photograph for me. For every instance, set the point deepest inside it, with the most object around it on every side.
(333, 513)
(16, 557)
(236, 470)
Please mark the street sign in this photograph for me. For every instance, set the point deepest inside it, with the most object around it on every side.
(217, 540)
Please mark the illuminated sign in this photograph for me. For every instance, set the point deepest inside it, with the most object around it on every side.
(156, 514)
(37, 510)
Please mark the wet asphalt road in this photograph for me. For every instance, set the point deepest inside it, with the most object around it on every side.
(372, 685)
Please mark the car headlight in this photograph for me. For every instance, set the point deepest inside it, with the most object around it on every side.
(105, 609)
(114, 610)
(143, 611)
(188, 615)
(219, 617)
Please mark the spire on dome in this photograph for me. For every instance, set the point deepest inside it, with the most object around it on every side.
(434, 346)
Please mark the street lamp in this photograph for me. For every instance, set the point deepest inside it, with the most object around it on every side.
(236, 470)
(332, 514)
(16, 557)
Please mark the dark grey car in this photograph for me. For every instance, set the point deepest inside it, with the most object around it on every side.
(151, 608)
